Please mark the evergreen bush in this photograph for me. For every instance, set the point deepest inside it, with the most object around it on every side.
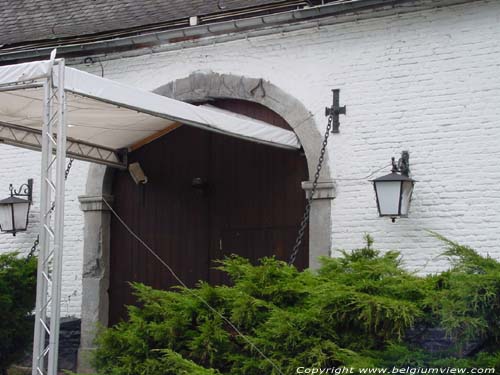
(356, 311)
(17, 301)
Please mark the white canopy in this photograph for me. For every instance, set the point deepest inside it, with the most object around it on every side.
(105, 117)
(65, 112)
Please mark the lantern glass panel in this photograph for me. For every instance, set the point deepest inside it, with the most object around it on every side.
(6, 217)
(388, 194)
(406, 197)
(21, 215)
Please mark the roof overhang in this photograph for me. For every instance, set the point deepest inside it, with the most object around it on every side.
(150, 35)
(105, 119)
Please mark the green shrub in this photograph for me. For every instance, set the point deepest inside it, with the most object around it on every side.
(17, 301)
(355, 311)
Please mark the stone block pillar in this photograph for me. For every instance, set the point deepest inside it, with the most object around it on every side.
(320, 220)
(95, 278)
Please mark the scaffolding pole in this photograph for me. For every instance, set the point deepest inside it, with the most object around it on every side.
(45, 356)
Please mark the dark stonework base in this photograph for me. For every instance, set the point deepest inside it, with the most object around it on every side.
(434, 340)
(69, 341)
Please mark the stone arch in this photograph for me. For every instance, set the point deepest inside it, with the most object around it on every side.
(205, 86)
(197, 87)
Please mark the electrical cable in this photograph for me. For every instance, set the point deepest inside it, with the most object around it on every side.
(141, 241)
(362, 178)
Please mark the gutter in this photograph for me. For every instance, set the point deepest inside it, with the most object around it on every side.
(152, 39)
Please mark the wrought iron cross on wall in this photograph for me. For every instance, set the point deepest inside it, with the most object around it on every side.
(335, 110)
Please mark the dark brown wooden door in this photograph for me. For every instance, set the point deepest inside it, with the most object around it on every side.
(208, 196)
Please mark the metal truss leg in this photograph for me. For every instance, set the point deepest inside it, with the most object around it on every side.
(45, 357)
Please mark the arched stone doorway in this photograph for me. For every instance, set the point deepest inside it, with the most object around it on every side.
(198, 87)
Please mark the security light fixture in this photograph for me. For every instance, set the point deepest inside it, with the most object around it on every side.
(137, 173)
(393, 191)
(14, 211)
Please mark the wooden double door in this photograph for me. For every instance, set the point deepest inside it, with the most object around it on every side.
(208, 196)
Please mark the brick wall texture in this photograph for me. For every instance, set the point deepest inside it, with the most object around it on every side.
(425, 80)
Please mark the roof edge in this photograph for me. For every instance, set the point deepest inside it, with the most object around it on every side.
(151, 39)
(195, 33)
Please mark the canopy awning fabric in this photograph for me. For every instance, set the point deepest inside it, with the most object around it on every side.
(65, 112)
(105, 118)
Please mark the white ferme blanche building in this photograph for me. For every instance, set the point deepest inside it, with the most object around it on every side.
(422, 76)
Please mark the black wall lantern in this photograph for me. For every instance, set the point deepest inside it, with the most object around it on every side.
(394, 191)
(14, 211)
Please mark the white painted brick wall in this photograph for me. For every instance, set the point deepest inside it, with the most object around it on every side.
(426, 81)
(17, 165)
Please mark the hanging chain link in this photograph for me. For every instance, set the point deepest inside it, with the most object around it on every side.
(307, 212)
(68, 169)
(34, 247)
(37, 241)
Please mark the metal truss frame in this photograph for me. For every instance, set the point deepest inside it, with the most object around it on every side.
(29, 138)
(53, 146)
(52, 141)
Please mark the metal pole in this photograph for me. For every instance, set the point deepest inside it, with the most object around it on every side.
(59, 224)
(51, 225)
(39, 352)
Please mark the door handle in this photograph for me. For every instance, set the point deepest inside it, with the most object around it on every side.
(199, 183)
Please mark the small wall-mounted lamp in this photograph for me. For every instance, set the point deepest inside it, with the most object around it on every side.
(14, 211)
(137, 173)
(393, 191)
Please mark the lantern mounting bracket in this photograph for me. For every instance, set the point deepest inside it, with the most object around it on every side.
(335, 110)
(403, 164)
(25, 190)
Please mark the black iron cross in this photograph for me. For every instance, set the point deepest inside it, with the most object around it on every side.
(335, 110)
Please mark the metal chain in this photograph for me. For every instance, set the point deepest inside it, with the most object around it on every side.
(33, 248)
(68, 169)
(37, 241)
(305, 218)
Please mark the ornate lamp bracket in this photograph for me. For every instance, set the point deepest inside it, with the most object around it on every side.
(25, 190)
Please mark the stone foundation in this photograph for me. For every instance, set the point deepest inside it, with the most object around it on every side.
(69, 341)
